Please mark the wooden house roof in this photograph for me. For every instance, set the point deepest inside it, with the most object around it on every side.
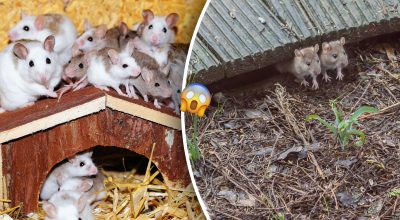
(236, 37)
(48, 113)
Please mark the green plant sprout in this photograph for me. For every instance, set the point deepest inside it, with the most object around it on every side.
(395, 192)
(194, 151)
(343, 127)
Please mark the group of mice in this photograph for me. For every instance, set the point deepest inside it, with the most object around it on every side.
(307, 62)
(71, 188)
(45, 51)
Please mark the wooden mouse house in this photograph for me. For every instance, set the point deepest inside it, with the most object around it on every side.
(34, 139)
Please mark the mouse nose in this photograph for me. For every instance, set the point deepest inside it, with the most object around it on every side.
(93, 170)
(154, 39)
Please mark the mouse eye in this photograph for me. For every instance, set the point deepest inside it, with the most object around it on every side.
(169, 82)
(69, 61)
(344, 52)
(48, 61)
(318, 61)
(79, 219)
(164, 30)
(90, 39)
(81, 65)
(82, 164)
(26, 28)
(334, 55)
(157, 85)
(178, 91)
(150, 27)
(308, 63)
(125, 65)
(31, 63)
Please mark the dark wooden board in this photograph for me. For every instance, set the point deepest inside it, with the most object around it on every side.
(232, 41)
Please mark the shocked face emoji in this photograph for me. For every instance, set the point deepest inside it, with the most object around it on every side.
(195, 99)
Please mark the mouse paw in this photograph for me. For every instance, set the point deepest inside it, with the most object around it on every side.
(134, 96)
(340, 76)
(326, 78)
(304, 83)
(52, 94)
(315, 86)
(156, 104)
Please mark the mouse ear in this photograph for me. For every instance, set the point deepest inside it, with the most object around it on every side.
(172, 19)
(20, 51)
(140, 28)
(123, 28)
(40, 21)
(298, 53)
(316, 48)
(72, 159)
(130, 46)
(86, 185)
(75, 50)
(113, 55)
(326, 46)
(86, 24)
(88, 154)
(49, 209)
(24, 14)
(342, 41)
(81, 203)
(100, 31)
(147, 75)
(175, 29)
(148, 16)
(49, 43)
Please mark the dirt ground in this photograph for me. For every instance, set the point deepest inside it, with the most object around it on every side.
(261, 160)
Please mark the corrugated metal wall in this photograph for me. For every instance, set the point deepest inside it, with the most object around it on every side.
(238, 36)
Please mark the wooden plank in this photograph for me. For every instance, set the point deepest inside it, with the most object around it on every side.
(46, 107)
(53, 120)
(49, 112)
(143, 112)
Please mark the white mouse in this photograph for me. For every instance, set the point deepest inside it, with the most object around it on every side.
(40, 27)
(97, 38)
(28, 70)
(67, 205)
(156, 35)
(111, 68)
(79, 165)
(93, 188)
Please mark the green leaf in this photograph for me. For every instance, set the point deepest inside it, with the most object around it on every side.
(337, 112)
(395, 192)
(360, 135)
(362, 110)
(322, 121)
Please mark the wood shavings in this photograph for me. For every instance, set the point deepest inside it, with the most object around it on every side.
(109, 12)
(131, 195)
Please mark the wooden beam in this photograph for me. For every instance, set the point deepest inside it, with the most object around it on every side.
(143, 112)
(67, 115)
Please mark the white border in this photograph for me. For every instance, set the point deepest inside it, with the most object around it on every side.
(189, 165)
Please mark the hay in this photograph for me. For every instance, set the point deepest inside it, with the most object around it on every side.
(134, 196)
(109, 12)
